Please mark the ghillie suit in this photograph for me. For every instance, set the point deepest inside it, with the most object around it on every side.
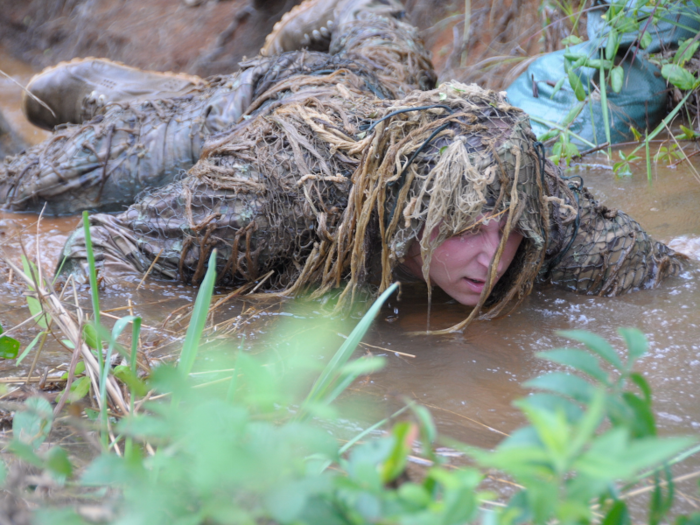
(131, 146)
(326, 187)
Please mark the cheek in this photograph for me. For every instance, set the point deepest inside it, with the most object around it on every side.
(456, 251)
(511, 248)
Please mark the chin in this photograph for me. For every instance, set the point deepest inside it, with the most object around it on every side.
(465, 299)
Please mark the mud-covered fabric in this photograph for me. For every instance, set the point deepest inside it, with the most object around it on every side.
(10, 142)
(103, 164)
(606, 252)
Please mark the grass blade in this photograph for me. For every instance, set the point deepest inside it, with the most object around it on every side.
(199, 318)
(332, 370)
(605, 108)
(94, 294)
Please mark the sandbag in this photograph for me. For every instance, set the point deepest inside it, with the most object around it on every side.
(680, 22)
(641, 102)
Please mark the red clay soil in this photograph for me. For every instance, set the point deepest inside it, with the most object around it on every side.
(211, 38)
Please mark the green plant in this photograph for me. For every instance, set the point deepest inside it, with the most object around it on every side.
(622, 166)
(233, 450)
(624, 17)
(668, 153)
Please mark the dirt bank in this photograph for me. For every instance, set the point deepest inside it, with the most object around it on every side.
(212, 37)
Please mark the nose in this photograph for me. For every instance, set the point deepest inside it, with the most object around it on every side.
(491, 239)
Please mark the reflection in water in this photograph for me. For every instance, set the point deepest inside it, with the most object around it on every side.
(468, 379)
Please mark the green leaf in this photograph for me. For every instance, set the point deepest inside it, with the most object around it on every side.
(565, 384)
(617, 77)
(612, 45)
(200, 312)
(637, 134)
(25, 452)
(9, 347)
(58, 462)
(618, 513)
(79, 369)
(571, 116)
(33, 424)
(286, 501)
(125, 374)
(646, 40)
(30, 271)
(688, 134)
(637, 344)
(330, 373)
(29, 348)
(3, 473)
(576, 85)
(90, 336)
(414, 495)
(79, 388)
(638, 380)
(686, 50)
(558, 86)
(642, 424)
(427, 425)
(596, 344)
(578, 360)
(42, 318)
(597, 63)
(571, 40)
(396, 462)
(556, 403)
(679, 77)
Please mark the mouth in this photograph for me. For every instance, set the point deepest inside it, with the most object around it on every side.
(476, 285)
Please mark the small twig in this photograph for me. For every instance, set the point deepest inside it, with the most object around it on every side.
(150, 268)
(30, 93)
(649, 488)
(695, 172)
(684, 159)
(33, 379)
(592, 150)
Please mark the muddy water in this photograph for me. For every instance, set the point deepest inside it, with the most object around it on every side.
(470, 379)
(11, 94)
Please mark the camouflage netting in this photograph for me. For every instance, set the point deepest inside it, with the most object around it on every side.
(609, 253)
(328, 188)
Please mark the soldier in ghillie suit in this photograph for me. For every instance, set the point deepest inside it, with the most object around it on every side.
(345, 170)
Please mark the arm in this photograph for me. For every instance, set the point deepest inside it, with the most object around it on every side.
(605, 252)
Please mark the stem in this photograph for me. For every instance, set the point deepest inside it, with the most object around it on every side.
(96, 319)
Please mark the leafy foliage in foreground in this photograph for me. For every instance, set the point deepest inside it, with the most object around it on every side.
(241, 451)
(241, 447)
